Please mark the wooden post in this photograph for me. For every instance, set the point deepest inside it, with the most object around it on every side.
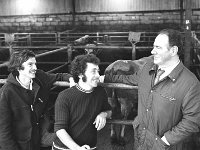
(188, 15)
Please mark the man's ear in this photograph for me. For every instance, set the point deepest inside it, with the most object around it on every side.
(174, 50)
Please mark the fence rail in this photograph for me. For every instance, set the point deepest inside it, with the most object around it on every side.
(47, 43)
(109, 85)
(42, 39)
(54, 42)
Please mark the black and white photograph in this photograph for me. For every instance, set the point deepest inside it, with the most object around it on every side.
(99, 74)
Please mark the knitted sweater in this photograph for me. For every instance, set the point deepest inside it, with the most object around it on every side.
(76, 110)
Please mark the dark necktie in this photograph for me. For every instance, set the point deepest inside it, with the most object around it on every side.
(158, 74)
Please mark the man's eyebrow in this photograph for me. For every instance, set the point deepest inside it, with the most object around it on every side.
(94, 69)
(30, 63)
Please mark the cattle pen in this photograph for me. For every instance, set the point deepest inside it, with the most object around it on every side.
(55, 51)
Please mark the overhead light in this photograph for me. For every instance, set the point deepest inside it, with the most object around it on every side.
(118, 4)
(26, 6)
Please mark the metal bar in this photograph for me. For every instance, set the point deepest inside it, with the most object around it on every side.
(118, 86)
(51, 52)
(123, 122)
(73, 11)
(58, 67)
(42, 54)
(4, 64)
(2, 81)
(108, 85)
(188, 16)
(133, 51)
(181, 13)
(75, 47)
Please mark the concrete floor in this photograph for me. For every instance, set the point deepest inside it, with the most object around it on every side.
(104, 141)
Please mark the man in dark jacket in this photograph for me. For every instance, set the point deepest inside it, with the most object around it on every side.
(168, 103)
(23, 101)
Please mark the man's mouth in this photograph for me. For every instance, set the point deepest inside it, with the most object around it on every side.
(96, 80)
(156, 57)
(33, 72)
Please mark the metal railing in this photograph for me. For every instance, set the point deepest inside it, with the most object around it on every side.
(45, 42)
(106, 85)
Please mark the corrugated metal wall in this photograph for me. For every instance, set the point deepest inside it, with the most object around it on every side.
(17, 7)
(125, 5)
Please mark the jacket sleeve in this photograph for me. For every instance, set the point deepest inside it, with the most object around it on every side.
(132, 79)
(7, 141)
(126, 79)
(51, 78)
(191, 117)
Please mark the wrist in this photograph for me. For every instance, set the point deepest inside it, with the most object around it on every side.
(103, 114)
(165, 140)
(106, 114)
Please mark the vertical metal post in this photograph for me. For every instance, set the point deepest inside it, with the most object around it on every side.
(188, 15)
(181, 13)
(29, 40)
(133, 51)
(97, 37)
(69, 55)
(73, 11)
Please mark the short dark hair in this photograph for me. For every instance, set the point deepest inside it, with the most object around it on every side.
(79, 64)
(175, 39)
(18, 58)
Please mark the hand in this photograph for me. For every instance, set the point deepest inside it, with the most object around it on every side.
(100, 121)
(84, 147)
(71, 82)
(165, 140)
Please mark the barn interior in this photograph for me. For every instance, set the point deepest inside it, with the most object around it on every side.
(59, 30)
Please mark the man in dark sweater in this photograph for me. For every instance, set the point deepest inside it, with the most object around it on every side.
(82, 110)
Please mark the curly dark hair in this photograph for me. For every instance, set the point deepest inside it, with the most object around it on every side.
(18, 58)
(79, 64)
(175, 39)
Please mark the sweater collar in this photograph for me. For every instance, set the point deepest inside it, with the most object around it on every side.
(83, 90)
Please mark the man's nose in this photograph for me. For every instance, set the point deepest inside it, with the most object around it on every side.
(35, 67)
(97, 74)
(153, 51)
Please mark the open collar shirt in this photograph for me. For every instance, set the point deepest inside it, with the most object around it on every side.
(167, 70)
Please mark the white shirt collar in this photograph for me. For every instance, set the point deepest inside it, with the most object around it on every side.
(30, 87)
(168, 69)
